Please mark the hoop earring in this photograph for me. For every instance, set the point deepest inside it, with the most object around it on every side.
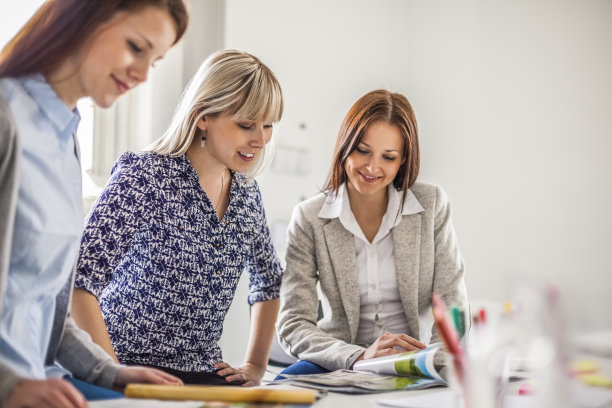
(203, 139)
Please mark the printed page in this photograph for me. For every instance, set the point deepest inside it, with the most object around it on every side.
(425, 363)
(358, 382)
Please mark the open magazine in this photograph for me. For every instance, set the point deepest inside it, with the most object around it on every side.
(409, 370)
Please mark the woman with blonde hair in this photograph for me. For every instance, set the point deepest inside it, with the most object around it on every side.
(175, 227)
(68, 50)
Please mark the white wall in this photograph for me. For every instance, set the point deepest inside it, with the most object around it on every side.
(12, 20)
(513, 101)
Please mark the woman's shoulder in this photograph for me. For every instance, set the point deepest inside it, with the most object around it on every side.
(428, 194)
(311, 207)
(8, 86)
(8, 128)
(7, 125)
(140, 162)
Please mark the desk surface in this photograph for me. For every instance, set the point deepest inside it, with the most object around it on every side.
(330, 400)
(336, 400)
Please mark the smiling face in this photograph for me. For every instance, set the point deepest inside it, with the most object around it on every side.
(235, 143)
(119, 55)
(374, 163)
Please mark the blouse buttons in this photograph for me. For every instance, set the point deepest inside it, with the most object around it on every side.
(180, 227)
(227, 221)
(218, 272)
(217, 244)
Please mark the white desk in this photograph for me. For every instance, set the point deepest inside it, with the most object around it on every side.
(336, 400)
(331, 400)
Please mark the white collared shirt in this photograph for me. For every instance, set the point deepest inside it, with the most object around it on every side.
(381, 308)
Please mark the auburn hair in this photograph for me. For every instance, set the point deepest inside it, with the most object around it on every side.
(60, 27)
(377, 106)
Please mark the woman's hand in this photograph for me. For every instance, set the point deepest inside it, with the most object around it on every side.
(249, 374)
(388, 344)
(52, 392)
(127, 375)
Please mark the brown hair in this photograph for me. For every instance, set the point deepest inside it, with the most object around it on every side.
(60, 27)
(375, 106)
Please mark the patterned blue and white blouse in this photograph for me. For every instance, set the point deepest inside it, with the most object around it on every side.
(165, 268)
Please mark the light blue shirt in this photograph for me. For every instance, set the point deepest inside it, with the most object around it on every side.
(48, 221)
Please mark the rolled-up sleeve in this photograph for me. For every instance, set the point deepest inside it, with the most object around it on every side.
(265, 271)
(113, 221)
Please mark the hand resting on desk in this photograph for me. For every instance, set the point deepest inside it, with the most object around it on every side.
(144, 375)
(249, 374)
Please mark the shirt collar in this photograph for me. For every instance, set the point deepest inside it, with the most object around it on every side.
(50, 104)
(182, 165)
(335, 203)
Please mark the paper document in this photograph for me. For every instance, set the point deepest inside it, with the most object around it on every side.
(357, 382)
(425, 363)
(411, 370)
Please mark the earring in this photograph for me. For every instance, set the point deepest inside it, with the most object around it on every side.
(203, 139)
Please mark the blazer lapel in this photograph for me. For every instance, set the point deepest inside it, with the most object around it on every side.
(341, 247)
(407, 250)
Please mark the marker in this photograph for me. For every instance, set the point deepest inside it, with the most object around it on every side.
(482, 314)
(448, 334)
(526, 389)
(458, 320)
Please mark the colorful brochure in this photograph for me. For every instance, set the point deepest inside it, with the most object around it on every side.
(424, 363)
(404, 371)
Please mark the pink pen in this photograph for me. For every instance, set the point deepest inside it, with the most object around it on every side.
(482, 314)
(525, 389)
(448, 334)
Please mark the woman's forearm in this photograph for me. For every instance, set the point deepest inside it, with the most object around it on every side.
(87, 314)
(263, 318)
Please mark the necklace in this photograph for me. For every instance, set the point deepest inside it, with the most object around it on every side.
(221, 192)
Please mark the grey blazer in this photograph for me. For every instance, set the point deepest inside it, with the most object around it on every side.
(321, 251)
(68, 345)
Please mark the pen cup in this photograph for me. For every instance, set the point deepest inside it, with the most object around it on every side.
(481, 388)
(454, 375)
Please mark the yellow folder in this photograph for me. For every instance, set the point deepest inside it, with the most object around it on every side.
(223, 393)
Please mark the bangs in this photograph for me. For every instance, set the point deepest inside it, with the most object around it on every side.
(261, 99)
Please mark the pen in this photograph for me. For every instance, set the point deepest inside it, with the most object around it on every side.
(458, 320)
(483, 316)
(448, 334)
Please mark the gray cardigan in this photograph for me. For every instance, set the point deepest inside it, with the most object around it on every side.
(69, 346)
(321, 251)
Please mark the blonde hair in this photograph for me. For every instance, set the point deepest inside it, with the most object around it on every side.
(232, 82)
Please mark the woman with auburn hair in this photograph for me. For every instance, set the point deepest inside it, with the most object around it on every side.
(176, 226)
(378, 243)
(68, 50)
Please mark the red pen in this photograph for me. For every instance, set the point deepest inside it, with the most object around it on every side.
(482, 314)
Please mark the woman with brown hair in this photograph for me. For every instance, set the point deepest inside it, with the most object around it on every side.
(68, 50)
(378, 243)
